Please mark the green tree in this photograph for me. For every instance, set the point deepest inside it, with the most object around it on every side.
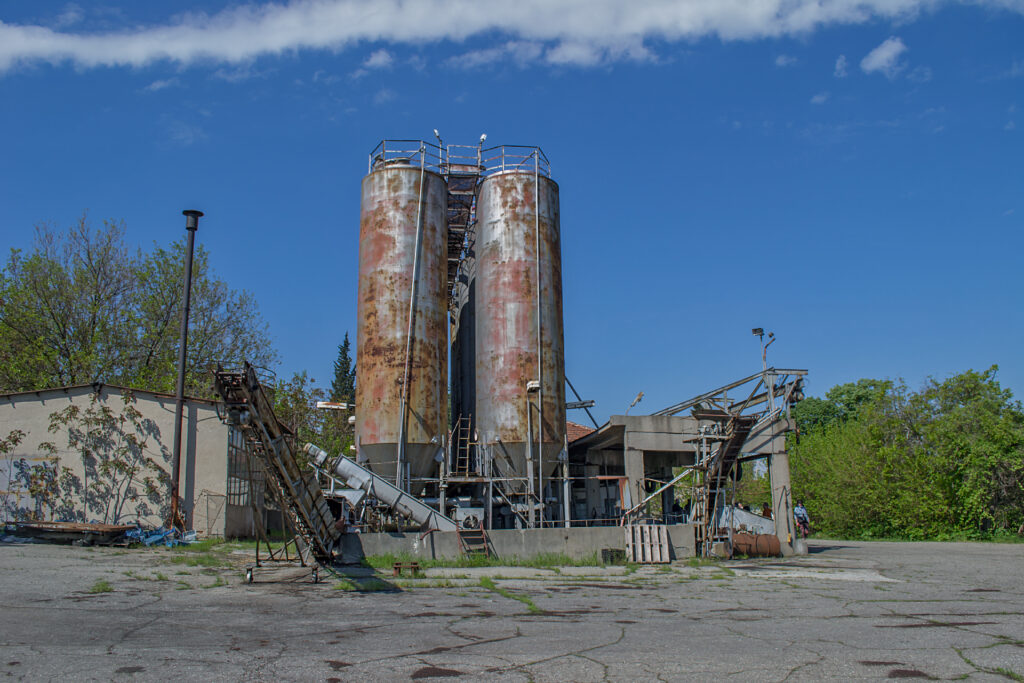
(343, 388)
(947, 459)
(295, 405)
(82, 307)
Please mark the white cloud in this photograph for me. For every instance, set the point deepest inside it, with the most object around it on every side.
(383, 96)
(578, 32)
(885, 58)
(158, 85)
(238, 74)
(820, 98)
(785, 60)
(840, 71)
(520, 52)
(71, 15)
(1010, 125)
(380, 59)
(920, 74)
(185, 134)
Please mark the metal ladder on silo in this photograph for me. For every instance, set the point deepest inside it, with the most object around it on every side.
(462, 173)
(462, 442)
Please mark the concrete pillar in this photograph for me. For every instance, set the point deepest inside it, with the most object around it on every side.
(634, 463)
(668, 497)
(593, 488)
(782, 503)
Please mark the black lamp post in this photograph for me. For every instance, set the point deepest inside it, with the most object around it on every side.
(191, 225)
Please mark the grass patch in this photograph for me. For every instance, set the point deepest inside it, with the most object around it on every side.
(219, 581)
(203, 546)
(207, 559)
(540, 561)
(160, 577)
(486, 582)
(101, 586)
(702, 562)
(183, 586)
(428, 583)
(1005, 673)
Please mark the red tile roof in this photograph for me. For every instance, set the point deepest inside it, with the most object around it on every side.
(576, 431)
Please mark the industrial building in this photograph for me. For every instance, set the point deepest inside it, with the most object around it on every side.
(40, 482)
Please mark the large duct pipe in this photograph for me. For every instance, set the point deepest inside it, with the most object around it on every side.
(399, 501)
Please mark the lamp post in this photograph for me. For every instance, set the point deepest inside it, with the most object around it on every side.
(191, 225)
(769, 385)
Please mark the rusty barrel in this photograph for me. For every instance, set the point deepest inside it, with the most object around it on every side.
(392, 202)
(755, 545)
(512, 207)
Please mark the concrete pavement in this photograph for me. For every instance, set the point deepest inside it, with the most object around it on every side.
(848, 610)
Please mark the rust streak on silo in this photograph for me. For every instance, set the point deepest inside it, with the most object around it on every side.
(391, 197)
(509, 215)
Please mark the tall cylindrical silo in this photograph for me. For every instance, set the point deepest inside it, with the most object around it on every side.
(402, 354)
(516, 331)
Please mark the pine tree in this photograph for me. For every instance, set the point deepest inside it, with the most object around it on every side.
(343, 388)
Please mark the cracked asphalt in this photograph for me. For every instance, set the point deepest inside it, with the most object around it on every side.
(847, 611)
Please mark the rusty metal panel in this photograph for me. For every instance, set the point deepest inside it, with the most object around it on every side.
(387, 252)
(509, 208)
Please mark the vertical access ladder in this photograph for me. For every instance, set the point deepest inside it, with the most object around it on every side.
(462, 171)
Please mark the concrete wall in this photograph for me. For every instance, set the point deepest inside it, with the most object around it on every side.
(203, 467)
(576, 542)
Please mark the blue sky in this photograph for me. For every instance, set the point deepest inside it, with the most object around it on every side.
(846, 174)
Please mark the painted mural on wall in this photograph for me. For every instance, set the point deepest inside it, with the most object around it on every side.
(100, 464)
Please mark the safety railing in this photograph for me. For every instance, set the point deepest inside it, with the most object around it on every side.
(521, 158)
(498, 159)
(417, 153)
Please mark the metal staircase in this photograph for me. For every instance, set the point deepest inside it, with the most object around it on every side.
(462, 171)
(474, 542)
(718, 473)
(245, 407)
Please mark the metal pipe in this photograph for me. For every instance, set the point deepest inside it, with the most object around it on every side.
(191, 225)
(566, 512)
(363, 479)
(404, 407)
(529, 461)
(579, 398)
(540, 337)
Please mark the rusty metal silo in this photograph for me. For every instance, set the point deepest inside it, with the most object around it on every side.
(402, 353)
(519, 334)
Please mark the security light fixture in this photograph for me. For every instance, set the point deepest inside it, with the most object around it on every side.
(757, 331)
